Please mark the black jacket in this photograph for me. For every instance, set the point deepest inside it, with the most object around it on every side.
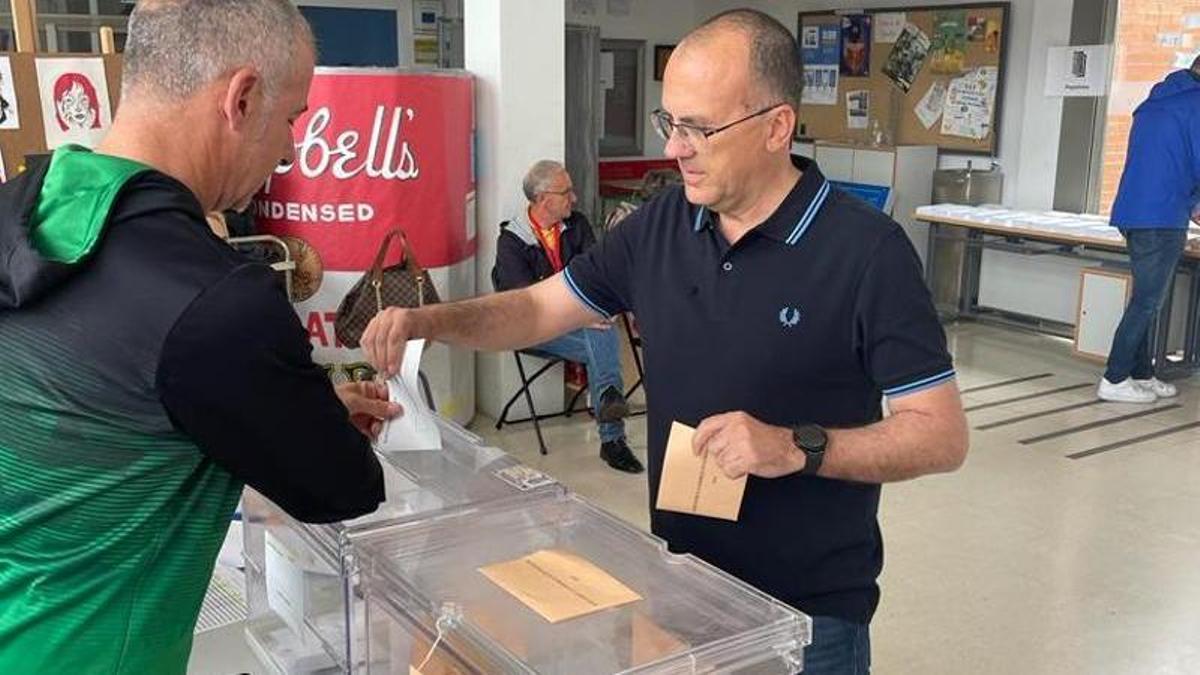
(520, 259)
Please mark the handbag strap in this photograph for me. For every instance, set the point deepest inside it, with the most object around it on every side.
(376, 272)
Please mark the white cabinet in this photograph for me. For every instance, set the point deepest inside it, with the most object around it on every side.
(907, 170)
(1102, 297)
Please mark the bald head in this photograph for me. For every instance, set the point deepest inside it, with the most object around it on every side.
(176, 47)
(766, 48)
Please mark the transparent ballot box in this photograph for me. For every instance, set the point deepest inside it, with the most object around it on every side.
(300, 577)
(558, 586)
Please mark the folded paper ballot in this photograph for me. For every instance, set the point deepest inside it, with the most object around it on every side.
(695, 484)
(559, 585)
(415, 428)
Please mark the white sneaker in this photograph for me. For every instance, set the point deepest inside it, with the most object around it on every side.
(1125, 392)
(1158, 387)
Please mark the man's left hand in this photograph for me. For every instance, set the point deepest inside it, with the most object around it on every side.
(368, 405)
(741, 445)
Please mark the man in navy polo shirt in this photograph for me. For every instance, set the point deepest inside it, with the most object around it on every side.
(777, 313)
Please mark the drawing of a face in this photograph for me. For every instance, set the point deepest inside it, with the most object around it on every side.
(75, 103)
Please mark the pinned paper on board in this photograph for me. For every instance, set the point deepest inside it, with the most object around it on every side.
(416, 428)
(948, 48)
(856, 45)
(820, 85)
(75, 104)
(907, 57)
(10, 116)
(858, 108)
(889, 26)
(930, 108)
(970, 100)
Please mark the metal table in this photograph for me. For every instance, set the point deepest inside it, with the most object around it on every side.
(1034, 240)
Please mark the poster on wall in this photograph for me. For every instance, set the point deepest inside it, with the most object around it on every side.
(74, 96)
(820, 53)
(10, 117)
(376, 151)
(907, 57)
(858, 109)
(948, 49)
(1077, 71)
(970, 100)
(856, 45)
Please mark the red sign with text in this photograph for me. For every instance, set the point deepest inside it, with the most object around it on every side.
(375, 151)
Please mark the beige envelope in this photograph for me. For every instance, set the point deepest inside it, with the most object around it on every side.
(559, 585)
(695, 485)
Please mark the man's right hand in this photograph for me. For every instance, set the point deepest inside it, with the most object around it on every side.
(385, 338)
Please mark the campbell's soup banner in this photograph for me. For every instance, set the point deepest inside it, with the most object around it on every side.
(378, 150)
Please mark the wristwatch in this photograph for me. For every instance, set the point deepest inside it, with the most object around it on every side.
(811, 440)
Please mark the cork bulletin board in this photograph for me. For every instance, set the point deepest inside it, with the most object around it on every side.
(916, 75)
(30, 138)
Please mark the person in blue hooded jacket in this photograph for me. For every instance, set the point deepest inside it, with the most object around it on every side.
(1158, 195)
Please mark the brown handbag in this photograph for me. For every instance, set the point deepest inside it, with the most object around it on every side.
(405, 284)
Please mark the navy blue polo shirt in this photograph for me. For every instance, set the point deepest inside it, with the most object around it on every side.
(813, 317)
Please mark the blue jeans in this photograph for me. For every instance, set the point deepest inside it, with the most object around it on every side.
(839, 647)
(1153, 255)
(599, 352)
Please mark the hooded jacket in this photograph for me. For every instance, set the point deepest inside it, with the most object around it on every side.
(148, 372)
(520, 259)
(1160, 185)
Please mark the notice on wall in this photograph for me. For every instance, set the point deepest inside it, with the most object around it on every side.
(856, 45)
(969, 103)
(820, 85)
(1077, 71)
(932, 104)
(889, 26)
(858, 109)
(907, 57)
(948, 51)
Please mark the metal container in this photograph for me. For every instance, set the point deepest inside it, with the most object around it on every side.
(970, 187)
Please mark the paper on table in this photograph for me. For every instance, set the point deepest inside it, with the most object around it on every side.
(694, 484)
(415, 428)
(559, 585)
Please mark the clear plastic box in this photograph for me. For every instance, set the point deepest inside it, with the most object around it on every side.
(431, 611)
(299, 577)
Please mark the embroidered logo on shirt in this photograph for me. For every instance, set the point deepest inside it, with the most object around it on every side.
(789, 317)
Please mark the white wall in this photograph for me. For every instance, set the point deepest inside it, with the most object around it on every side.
(657, 22)
(1030, 121)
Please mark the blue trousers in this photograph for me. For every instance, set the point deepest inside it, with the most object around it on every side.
(599, 352)
(1153, 255)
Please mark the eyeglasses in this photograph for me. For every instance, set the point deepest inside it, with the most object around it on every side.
(560, 193)
(696, 136)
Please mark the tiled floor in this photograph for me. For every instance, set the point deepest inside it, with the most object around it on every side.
(1025, 560)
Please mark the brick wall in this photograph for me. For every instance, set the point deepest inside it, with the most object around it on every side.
(1140, 62)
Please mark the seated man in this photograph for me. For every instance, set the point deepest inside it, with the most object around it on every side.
(536, 245)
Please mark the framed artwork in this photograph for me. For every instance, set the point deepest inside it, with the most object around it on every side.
(662, 53)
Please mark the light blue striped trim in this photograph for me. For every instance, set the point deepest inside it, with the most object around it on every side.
(809, 214)
(582, 297)
(927, 383)
(699, 219)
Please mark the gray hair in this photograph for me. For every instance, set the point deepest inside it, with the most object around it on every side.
(1196, 66)
(774, 53)
(539, 177)
(176, 47)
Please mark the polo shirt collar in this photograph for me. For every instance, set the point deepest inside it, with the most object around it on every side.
(799, 209)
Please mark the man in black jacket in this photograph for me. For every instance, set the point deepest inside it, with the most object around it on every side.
(536, 245)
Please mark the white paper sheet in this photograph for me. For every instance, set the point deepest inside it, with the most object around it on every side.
(10, 116)
(285, 584)
(969, 103)
(889, 25)
(858, 108)
(415, 428)
(929, 110)
(820, 85)
(75, 105)
(1077, 71)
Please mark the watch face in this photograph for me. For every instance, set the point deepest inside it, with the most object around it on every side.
(810, 437)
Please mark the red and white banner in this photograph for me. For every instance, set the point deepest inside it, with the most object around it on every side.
(380, 149)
